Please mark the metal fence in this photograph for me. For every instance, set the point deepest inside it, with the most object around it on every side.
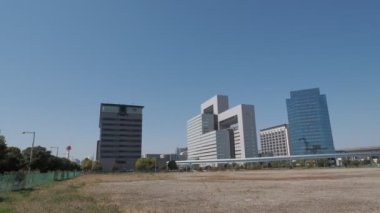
(20, 180)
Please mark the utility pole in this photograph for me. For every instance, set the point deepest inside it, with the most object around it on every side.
(55, 147)
(31, 150)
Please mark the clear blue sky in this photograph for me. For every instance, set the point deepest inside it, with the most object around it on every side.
(60, 59)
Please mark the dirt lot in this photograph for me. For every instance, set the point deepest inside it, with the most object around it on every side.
(309, 190)
(317, 190)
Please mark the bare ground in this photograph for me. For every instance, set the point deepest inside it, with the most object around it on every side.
(311, 190)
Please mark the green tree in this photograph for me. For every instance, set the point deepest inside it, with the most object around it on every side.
(3, 152)
(323, 162)
(40, 158)
(86, 164)
(144, 164)
(3, 147)
(346, 162)
(96, 166)
(355, 163)
(172, 165)
(13, 159)
(10, 157)
(367, 162)
(66, 164)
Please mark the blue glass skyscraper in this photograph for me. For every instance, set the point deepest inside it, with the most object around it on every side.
(309, 123)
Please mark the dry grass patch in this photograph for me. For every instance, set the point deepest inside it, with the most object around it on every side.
(315, 190)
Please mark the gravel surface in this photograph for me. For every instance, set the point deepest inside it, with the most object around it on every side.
(309, 190)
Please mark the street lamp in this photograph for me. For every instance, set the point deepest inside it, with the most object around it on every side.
(55, 147)
(31, 150)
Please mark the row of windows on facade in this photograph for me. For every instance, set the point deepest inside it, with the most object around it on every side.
(122, 151)
(276, 134)
(273, 142)
(131, 146)
(118, 124)
(205, 150)
(273, 148)
(122, 141)
(277, 150)
(121, 157)
(268, 142)
(274, 145)
(269, 134)
(273, 139)
(122, 130)
(203, 147)
(273, 136)
(121, 135)
(121, 119)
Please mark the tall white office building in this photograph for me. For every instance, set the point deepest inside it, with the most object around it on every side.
(220, 132)
(275, 141)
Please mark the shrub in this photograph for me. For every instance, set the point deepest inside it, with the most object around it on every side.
(172, 165)
(145, 164)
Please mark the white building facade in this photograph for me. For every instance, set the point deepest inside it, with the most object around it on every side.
(275, 141)
(220, 132)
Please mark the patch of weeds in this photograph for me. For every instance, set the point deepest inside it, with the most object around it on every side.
(15, 196)
(70, 197)
(5, 210)
(4, 199)
(53, 198)
(24, 193)
(76, 186)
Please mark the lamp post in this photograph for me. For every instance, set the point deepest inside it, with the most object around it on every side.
(55, 147)
(31, 150)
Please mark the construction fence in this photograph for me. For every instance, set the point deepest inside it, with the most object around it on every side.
(21, 180)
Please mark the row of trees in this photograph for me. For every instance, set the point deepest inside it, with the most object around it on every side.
(13, 159)
(149, 164)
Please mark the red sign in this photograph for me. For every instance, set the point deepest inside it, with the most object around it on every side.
(68, 148)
